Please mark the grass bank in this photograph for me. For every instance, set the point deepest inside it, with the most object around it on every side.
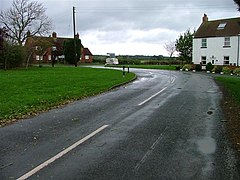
(27, 92)
(232, 85)
(231, 108)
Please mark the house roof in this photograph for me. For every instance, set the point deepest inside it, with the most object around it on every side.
(219, 28)
(50, 41)
(86, 51)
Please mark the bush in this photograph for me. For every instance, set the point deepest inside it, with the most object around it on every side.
(217, 69)
(236, 71)
(198, 67)
(209, 67)
(226, 70)
(187, 67)
(13, 56)
(178, 68)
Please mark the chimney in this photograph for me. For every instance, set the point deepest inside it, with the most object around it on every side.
(54, 35)
(205, 18)
(28, 33)
(77, 36)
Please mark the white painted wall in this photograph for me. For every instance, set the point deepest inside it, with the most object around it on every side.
(215, 50)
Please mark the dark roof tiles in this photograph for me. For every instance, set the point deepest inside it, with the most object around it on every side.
(210, 28)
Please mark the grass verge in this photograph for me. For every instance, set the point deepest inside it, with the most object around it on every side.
(231, 107)
(26, 92)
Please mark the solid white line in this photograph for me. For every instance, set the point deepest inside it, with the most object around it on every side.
(59, 155)
(148, 99)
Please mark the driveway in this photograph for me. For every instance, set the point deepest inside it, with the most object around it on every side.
(164, 125)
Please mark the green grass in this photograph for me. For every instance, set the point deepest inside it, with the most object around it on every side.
(232, 84)
(161, 67)
(25, 92)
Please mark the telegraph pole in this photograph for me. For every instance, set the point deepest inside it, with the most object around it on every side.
(74, 36)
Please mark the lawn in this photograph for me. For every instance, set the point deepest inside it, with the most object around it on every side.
(26, 92)
(161, 67)
(232, 85)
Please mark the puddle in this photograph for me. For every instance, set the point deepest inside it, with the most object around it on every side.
(209, 112)
(207, 145)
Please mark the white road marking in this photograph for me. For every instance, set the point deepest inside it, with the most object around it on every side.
(149, 152)
(173, 80)
(59, 155)
(148, 99)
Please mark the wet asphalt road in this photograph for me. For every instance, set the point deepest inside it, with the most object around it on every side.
(164, 125)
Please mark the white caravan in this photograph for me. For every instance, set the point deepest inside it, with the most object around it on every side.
(111, 59)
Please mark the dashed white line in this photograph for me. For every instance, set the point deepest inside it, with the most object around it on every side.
(148, 99)
(59, 155)
(149, 152)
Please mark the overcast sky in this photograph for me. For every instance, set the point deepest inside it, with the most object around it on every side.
(131, 27)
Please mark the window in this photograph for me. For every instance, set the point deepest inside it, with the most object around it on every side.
(204, 43)
(49, 57)
(226, 42)
(87, 57)
(221, 26)
(226, 60)
(37, 58)
(204, 60)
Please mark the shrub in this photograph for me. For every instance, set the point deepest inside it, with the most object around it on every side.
(236, 71)
(187, 67)
(217, 69)
(209, 67)
(226, 70)
(178, 67)
(13, 56)
(198, 67)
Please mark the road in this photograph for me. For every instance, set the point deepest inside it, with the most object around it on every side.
(164, 125)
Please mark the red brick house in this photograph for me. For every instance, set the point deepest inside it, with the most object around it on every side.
(87, 56)
(44, 49)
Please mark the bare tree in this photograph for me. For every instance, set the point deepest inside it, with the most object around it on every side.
(25, 16)
(170, 47)
(238, 3)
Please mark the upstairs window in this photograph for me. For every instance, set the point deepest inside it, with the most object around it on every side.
(204, 43)
(227, 42)
(221, 26)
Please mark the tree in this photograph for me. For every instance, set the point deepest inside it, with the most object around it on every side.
(25, 16)
(1, 40)
(238, 3)
(184, 45)
(13, 56)
(69, 50)
(3, 43)
(170, 47)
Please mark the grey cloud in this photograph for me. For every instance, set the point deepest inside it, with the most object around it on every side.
(135, 21)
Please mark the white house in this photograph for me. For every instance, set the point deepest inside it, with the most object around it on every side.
(217, 42)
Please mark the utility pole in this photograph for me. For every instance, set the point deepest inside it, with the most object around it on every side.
(74, 32)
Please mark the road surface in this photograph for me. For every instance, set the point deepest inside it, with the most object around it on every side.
(164, 125)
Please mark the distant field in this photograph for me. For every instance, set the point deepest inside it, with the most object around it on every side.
(232, 84)
(25, 92)
(161, 67)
